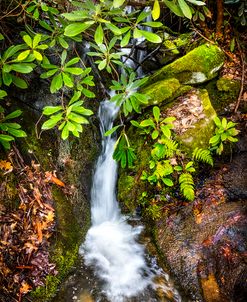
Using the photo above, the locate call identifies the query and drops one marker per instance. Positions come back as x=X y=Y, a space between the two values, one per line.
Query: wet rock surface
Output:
x=235 y=178
x=205 y=243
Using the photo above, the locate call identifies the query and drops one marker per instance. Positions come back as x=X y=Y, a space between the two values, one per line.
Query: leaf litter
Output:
x=25 y=232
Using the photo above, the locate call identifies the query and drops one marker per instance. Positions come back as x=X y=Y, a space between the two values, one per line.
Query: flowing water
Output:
x=111 y=246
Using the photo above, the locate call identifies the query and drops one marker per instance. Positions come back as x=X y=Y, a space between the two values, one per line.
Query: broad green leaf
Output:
x=147 y=123
x=112 y=130
x=82 y=110
x=37 y=55
x=23 y=55
x=52 y=122
x=1 y=37
x=102 y=64
x=13 y=114
x=76 y=15
x=36 y=40
x=185 y=9
x=13 y=50
x=118 y=3
x=155 y=134
x=28 y=40
x=156 y=10
x=174 y=8
x=48 y=110
x=67 y=80
x=151 y=37
x=75 y=29
x=168 y=182
x=156 y=113
x=214 y=140
x=217 y=122
x=22 y=68
x=17 y=133
x=114 y=29
x=7 y=78
x=74 y=70
x=125 y=39
x=135 y=123
x=2 y=94
x=99 y=35
x=56 y=83
x=63 y=43
x=78 y=118
x=6 y=138
x=137 y=33
x=166 y=131
x=20 y=83
x=65 y=132
x=72 y=62
x=152 y=24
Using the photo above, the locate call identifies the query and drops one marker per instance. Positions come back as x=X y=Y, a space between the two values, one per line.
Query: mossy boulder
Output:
x=196 y=125
x=198 y=66
x=164 y=91
x=223 y=92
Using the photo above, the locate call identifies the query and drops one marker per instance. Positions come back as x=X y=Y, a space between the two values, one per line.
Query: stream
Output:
x=114 y=266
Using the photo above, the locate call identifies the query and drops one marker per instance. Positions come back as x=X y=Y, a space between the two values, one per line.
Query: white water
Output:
x=110 y=244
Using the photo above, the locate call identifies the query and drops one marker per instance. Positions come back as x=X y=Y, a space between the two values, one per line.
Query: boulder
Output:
x=198 y=66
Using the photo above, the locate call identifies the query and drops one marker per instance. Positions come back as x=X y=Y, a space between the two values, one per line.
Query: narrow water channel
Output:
x=111 y=246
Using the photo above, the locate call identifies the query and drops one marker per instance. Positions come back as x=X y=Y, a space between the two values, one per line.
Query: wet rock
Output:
x=205 y=246
x=235 y=178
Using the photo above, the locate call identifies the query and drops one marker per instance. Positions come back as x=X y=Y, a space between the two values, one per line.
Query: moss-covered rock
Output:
x=164 y=91
x=198 y=66
x=223 y=92
x=200 y=116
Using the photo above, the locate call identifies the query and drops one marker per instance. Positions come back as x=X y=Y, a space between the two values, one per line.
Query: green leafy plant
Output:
x=203 y=155
x=8 y=129
x=224 y=132
x=36 y=7
x=68 y=119
x=126 y=96
x=107 y=57
x=62 y=75
x=35 y=48
x=11 y=68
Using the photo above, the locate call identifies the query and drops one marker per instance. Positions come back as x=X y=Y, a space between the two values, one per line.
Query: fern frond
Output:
x=170 y=147
x=186 y=183
x=203 y=155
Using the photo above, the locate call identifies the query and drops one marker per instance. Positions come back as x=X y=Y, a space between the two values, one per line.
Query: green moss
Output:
x=199 y=135
x=65 y=247
x=199 y=65
x=223 y=92
x=164 y=91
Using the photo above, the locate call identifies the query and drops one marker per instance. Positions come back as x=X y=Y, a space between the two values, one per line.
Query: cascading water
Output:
x=110 y=246
x=110 y=243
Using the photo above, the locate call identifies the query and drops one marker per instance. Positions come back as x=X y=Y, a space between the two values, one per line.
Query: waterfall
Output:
x=110 y=244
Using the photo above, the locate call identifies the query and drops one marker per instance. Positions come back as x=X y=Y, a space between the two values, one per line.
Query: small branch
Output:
x=242 y=76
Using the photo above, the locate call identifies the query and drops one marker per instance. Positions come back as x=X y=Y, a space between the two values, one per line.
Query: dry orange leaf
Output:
x=51 y=178
x=25 y=287
x=6 y=165
x=39 y=230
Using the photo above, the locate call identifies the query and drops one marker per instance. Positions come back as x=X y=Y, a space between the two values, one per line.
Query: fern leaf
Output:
x=203 y=155
x=186 y=183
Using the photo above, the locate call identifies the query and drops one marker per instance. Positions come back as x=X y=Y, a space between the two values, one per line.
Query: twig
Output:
x=242 y=77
